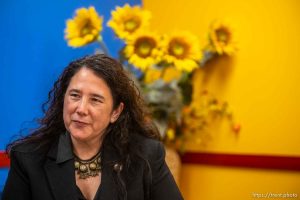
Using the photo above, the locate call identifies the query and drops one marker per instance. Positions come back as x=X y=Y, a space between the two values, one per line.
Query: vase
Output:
x=174 y=163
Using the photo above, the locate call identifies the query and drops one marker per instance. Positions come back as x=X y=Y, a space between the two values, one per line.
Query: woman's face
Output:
x=88 y=106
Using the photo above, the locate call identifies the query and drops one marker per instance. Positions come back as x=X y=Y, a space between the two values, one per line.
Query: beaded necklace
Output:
x=88 y=168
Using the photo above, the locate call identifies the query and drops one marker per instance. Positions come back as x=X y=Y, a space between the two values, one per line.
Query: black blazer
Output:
x=38 y=175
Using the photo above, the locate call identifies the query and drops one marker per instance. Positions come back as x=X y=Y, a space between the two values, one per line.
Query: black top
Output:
x=49 y=173
x=65 y=153
x=81 y=197
x=79 y=194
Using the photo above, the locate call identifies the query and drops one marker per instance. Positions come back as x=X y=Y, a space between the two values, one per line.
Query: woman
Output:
x=94 y=142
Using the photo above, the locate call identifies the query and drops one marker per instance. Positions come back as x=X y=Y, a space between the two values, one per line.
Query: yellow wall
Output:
x=219 y=183
x=260 y=83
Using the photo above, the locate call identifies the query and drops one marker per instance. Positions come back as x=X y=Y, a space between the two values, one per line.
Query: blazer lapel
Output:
x=61 y=176
x=108 y=185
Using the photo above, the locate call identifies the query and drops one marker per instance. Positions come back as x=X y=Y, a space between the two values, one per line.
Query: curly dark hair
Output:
x=133 y=119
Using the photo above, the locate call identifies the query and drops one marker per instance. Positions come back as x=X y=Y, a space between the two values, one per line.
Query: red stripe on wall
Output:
x=4 y=160
x=238 y=160
x=233 y=160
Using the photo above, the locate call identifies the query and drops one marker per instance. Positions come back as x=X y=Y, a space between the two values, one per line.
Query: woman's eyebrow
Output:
x=92 y=95
x=97 y=95
x=74 y=90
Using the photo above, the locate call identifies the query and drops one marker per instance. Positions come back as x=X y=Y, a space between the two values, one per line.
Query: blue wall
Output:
x=33 y=53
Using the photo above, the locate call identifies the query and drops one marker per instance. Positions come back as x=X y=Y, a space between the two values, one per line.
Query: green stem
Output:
x=103 y=47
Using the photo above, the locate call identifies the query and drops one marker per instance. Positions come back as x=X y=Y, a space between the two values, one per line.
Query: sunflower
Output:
x=143 y=50
x=221 y=38
x=182 y=49
x=171 y=73
x=152 y=74
x=84 y=28
x=167 y=74
x=127 y=20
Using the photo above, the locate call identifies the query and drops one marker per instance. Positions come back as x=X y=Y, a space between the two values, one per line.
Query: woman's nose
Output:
x=82 y=107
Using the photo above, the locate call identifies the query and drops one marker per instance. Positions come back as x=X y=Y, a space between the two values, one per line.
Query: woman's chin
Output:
x=79 y=135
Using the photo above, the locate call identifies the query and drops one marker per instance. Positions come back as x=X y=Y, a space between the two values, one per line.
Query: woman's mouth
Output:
x=80 y=123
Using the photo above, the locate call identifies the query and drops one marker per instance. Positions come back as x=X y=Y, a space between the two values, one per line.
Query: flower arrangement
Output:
x=162 y=66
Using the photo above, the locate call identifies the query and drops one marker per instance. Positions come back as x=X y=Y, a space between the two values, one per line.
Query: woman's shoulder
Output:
x=150 y=147
x=147 y=141
x=28 y=155
x=25 y=147
x=35 y=149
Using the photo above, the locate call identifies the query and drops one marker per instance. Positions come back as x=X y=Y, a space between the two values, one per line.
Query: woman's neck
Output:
x=86 y=150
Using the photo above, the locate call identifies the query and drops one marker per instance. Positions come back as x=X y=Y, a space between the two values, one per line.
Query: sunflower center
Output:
x=131 y=25
x=143 y=46
x=87 y=28
x=223 y=35
x=178 y=48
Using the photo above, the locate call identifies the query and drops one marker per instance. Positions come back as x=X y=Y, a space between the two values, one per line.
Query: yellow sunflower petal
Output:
x=152 y=75
x=171 y=73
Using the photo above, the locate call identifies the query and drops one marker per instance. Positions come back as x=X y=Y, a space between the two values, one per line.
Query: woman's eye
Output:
x=96 y=100
x=74 y=95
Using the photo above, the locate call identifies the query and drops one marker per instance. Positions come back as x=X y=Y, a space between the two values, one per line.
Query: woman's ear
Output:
x=116 y=113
